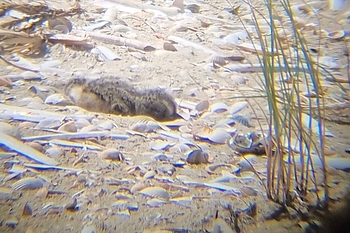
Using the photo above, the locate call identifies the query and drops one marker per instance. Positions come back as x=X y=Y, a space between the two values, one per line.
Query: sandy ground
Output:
x=92 y=194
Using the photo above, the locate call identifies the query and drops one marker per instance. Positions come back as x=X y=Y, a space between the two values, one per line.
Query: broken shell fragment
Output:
x=169 y=47
x=217 y=60
x=89 y=228
x=221 y=226
x=27 y=210
x=111 y=154
x=5 y=194
x=197 y=157
x=218 y=107
x=71 y=205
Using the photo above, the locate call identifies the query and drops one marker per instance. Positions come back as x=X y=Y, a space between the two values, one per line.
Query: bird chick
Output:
x=117 y=97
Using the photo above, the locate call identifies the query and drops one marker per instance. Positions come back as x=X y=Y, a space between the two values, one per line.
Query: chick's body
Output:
x=117 y=97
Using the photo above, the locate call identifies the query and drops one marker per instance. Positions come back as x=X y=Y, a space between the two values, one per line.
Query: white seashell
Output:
x=218 y=107
x=197 y=157
x=155 y=192
x=203 y=105
x=217 y=60
x=137 y=187
x=203 y=146
x=89 y=128
x=164 y=179
x=17 y=168
x=242 y=120
x=16 y=14
x=153 y=217
x=49 y=123
x=248 y=191
x=170 y=134
x=121 y=28
x=81 y=122
x=159 y=145
x=226 y=177
x=68 y=127
x=163 y=157
x=235 y=37
x=179 y=187
x=167 y=168
x=122 y=196
x=247 y=175
x=56 y=99
x=179 y=164
x=155 y=202
x=110 y=14
x=238 y=79
x=108 y=53
x=246 y=162
x=120 y=204
x=112 y=154
x=231 y=39
x=145 y=126
x=222 y=126
x=237 y=107
x=186 y=104
x=222 y=187
x=106 y=125
x=11 y=222
x=183 y=201
x=27 y=183
x=8 y=129
x=54 y=152
x=124 y=213
x=133 y=206
x=5 y=194
x=219 y=136
x=149 y=174
x=189 y=181
x=211 y=168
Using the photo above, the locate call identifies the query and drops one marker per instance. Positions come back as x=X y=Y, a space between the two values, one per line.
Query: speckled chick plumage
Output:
x=117 y=97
